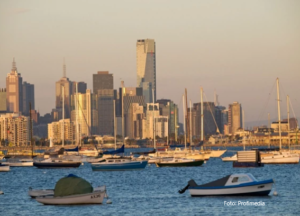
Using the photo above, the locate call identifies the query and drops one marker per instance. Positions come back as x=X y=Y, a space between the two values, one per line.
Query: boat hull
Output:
x=237 y=164
x=260 y=189
x=281 y=159
x=44 y=165
x=217 y=153
x=134 y=165
x=18 y=164
x=91 y=198
x=42 y=192
x=4 y=168
x=180 y=164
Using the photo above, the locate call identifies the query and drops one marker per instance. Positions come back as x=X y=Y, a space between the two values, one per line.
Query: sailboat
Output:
x=280 y=157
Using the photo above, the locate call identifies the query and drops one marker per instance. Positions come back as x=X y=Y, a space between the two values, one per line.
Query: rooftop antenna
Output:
x=14 y=65
x=64 y=69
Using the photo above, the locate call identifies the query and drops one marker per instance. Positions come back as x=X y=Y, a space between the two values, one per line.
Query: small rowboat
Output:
x=179 y=163
x=4 y=168
x=236 y=185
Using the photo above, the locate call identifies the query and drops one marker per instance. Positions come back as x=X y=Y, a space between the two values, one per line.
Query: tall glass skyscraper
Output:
x=146 y=67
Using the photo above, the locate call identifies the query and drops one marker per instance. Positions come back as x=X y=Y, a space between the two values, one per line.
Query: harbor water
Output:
x=153 y=191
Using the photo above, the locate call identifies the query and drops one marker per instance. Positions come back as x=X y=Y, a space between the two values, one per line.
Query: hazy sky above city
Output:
x=235 y=47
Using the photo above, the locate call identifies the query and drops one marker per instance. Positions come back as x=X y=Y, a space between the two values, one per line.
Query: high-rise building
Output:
x=152 y=113
x=63 y=89
x=128 y=96
x=56 y=131
x=2 y=100
x=102 y=80
x=28 y=97
x=135 y=118
x=14 y=96
x=81 y=87
x=208 y=119
x=14 y=129
x=105 y=111
x=146 y=66
x=219 y=117
x=234 y=117
x=168 y=109
x=85 y=112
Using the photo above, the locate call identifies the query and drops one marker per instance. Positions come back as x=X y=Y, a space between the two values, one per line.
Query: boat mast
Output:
x=269 y=129
x=77 y=110
x=288 y=117
x=115 y=124
x=201 y=104
x=122 y=84
x=154 y=128
x=191 y=138
x=63 y=116
x=31 y=130
x=168 y=130
x=279 y=121
x=244 y=142
x=187 y=118
x=184 y=130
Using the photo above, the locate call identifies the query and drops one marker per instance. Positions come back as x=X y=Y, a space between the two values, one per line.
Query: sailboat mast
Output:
x=31 y=143
x=187 y=118
x=115 y=125
x=77 y=125
x=288 y=117
x=279 y=121
x=191 y=138
x=269 y=126
x=201 y=104
x=154 y=128
x=184 y=130
x=63 y=116
x=123 y=135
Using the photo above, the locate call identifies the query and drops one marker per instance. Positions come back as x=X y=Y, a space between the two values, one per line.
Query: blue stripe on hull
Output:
x=120 y=167
x=260 y=193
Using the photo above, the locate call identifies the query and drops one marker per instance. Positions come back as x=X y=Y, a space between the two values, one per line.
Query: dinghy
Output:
x=4 y=168
x=181 y=162
x=73 y=190
x=235 y=185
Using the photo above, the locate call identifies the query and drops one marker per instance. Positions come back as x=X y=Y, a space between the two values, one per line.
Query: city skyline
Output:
x=226 y=48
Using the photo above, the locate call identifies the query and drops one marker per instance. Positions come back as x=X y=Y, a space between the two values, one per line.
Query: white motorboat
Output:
x=18 y=163
x=236 y=184
x=280 y=158
x=4 y=168
x=73 y=190
x=230 y=159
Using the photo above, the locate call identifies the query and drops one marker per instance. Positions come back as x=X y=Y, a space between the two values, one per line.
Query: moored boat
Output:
x=4 y=168
x=18 y=163
x=230 y=159
x=231 y=185
x=73 y=190
x=118 y=164
x=56 y=163
x=181 y=162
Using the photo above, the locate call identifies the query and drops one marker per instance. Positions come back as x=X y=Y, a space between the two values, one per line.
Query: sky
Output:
x=237 y=48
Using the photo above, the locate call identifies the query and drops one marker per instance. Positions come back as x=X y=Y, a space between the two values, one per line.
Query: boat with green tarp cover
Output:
x=73 y=190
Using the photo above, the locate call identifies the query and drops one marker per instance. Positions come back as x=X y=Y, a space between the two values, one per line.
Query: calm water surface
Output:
x=153 y=191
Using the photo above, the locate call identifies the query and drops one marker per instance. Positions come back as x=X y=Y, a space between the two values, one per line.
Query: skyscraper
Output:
x=2 y=100
x=146 y=66
x=102 y=80
x=14 y=97
x=28 y=97
x=234 y=117
x=67 y=84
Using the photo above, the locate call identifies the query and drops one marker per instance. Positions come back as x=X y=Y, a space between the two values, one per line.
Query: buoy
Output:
x=1 y=192
x=275 y=193
x=108 y=201
x=82 y=163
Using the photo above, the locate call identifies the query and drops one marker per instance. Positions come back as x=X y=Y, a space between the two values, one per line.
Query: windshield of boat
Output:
x=240 y=179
